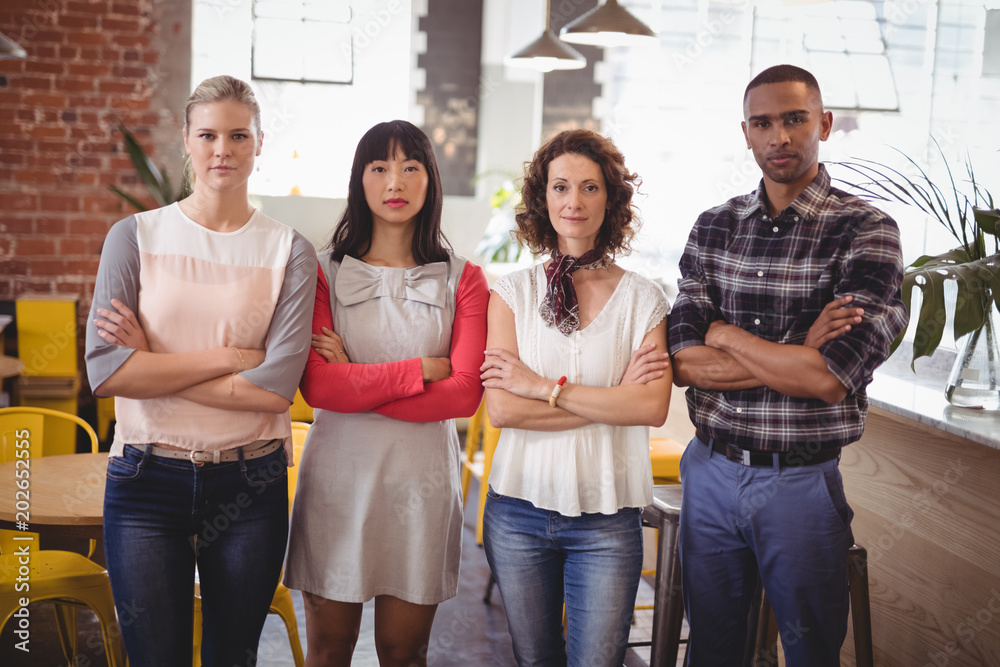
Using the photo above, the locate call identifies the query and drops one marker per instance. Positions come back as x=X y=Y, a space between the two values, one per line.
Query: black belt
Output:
x=794 y=458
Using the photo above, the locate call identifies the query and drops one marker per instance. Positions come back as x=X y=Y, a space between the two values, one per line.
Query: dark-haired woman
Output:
x=576 y=372
x=399 y=329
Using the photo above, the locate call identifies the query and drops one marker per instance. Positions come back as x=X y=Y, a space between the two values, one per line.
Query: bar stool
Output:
x=668 y=605
x=762 y=640
x=665 y=461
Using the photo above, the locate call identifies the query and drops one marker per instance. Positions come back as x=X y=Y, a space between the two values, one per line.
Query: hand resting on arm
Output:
x=518 y=397
x=733 y=359
x=204 y=376
x=330 y=346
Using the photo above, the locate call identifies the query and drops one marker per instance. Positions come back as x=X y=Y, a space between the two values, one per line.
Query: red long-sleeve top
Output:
x=396 y=389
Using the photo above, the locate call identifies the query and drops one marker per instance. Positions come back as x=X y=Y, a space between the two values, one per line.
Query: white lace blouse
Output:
x=597 y=468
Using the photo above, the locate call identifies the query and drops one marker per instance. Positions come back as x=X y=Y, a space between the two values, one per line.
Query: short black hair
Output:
x=783 y=74
x=353 y=234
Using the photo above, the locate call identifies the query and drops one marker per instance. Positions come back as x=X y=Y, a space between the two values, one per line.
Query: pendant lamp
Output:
x=547 y=53
x=606 y=25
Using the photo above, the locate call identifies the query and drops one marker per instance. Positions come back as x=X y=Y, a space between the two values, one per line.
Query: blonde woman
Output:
x=200 y=329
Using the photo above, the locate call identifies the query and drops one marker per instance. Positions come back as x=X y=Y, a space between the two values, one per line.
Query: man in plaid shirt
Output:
x=789 y=300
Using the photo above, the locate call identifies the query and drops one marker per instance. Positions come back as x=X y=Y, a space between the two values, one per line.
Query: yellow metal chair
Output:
x=69 y=579
x=281 y=603
x=478 y=460
x=472 y=464
x=300 y=410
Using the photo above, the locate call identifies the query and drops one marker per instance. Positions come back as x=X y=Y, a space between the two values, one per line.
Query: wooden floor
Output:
x=466 y=633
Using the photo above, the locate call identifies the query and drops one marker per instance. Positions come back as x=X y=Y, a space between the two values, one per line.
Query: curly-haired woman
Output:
x=576 y=372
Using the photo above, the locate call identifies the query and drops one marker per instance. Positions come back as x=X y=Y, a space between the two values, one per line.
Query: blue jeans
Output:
x=160 y=517
x=541 y=558
x=793 y=526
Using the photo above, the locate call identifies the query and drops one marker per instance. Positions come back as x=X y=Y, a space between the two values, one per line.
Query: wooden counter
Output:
x=924 y=482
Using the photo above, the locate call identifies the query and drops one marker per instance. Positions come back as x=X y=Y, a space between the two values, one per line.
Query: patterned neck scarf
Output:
x=560 y=309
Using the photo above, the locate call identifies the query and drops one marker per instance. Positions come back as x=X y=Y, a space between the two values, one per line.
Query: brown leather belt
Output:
x=791 y=459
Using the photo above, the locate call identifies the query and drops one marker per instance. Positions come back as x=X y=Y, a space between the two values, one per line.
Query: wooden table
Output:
x=66 y=495
x=668 y=608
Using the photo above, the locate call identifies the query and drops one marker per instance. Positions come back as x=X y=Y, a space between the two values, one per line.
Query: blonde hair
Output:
x=219 y=89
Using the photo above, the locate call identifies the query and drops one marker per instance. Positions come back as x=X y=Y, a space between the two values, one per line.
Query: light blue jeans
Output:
x=161 y=516
x=541 y=559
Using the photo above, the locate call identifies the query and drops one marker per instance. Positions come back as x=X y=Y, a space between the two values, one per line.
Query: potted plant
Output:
x=973 y=264
x=498 y=245
x=156 y=181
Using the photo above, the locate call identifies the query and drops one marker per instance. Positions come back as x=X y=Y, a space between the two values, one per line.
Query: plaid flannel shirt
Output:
x=772 y=277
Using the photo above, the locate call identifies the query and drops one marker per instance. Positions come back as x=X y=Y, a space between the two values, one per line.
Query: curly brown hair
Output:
x=621 y=220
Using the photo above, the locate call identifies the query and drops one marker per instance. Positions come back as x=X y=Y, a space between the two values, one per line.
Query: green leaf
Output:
x=987 y=220
x=907 y=297
x=135 y=203
x=148 y=172
x=930 y=322
x=920 y=261
x=976 y=281
x=155 y=180
x=970 y=312
x=992 y=267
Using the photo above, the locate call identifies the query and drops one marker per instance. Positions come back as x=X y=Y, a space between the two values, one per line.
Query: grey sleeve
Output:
x=117 y=278
x=289 y=335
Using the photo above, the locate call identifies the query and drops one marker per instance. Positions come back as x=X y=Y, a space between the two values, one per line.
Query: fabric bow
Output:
x=358 y=282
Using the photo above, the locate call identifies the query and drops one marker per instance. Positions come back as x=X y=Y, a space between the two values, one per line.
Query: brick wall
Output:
x=90 y=64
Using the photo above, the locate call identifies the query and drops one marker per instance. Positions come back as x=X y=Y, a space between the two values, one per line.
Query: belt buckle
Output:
x=746 y=456
x=194 y=460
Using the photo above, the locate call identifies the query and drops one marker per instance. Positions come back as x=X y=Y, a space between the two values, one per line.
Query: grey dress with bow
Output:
x=378 y=505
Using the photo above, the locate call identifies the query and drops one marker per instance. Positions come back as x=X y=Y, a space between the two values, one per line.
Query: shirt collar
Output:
x=809 y=203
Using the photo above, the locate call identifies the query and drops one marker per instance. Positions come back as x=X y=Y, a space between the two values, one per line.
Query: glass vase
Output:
x=975 y=377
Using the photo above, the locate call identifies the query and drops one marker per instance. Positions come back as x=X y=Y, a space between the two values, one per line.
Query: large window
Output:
x=290 y=51
x=302 y=40
x=841 y=43
x=898 y=74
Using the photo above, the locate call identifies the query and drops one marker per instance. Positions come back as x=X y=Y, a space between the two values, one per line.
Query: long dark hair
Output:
x=353 y=234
